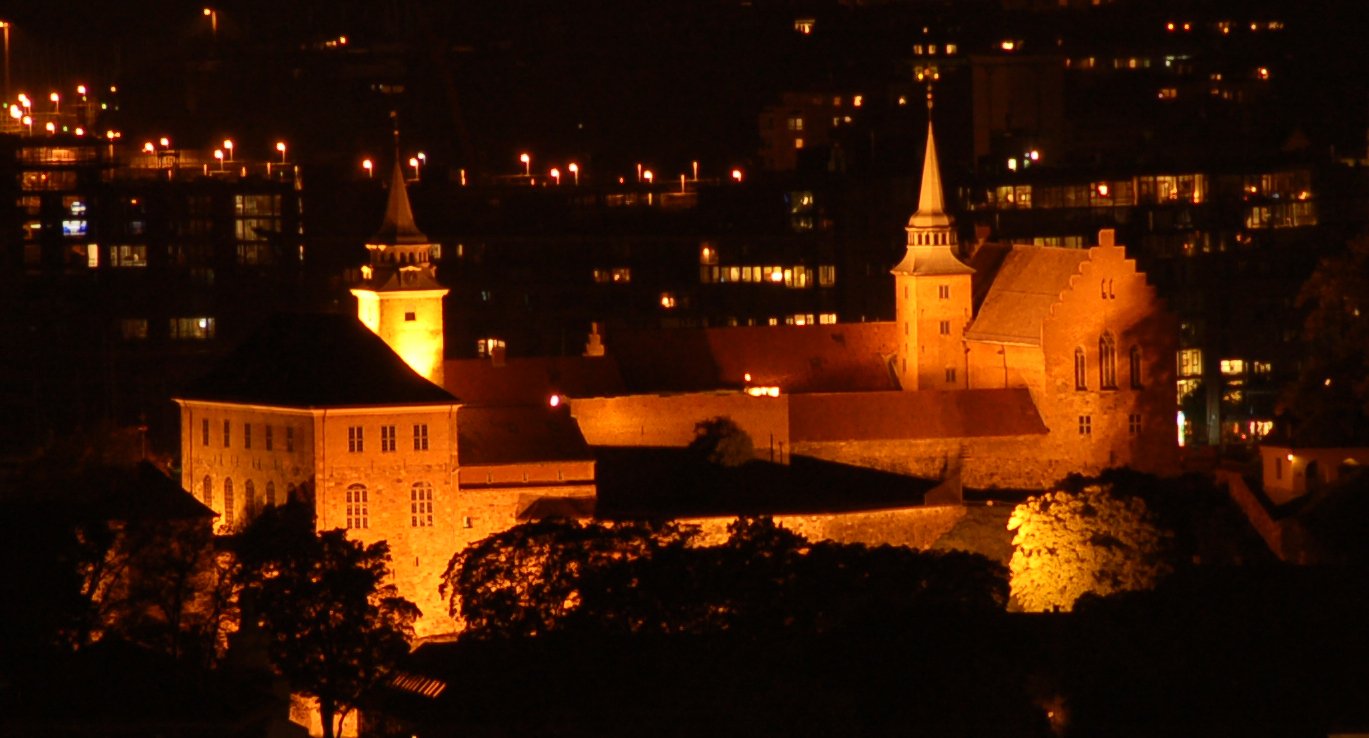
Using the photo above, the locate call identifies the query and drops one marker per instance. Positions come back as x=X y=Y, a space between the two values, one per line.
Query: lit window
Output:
x=1191 y=362
x=420 y=436
x=798 y=143
x=1081 y=381
x=1085 y=425
x=192 y=329
x=228 y=503
x=795 y=123
x=1233 y=367
x=827 y=275
x=355 y=439
x=357 y=510
x=421 y=505
x=622 y=275
x=858 y=100
x=387 y=438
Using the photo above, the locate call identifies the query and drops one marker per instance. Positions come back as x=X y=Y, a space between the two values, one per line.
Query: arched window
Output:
x=1107 y=361
x=250 y=500
x=1135 y=367
x=270 y=494
x=228 y=503
x=357 y=511
x=421 y=505
x=207 y=491
x=1081 y=380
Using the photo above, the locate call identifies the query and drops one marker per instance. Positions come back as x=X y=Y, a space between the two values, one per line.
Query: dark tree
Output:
x=1330 y=400
x=721 y=441
x=335 y=626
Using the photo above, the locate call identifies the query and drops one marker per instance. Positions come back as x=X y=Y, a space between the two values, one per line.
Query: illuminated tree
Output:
x=1068 y=544
x=335 y=626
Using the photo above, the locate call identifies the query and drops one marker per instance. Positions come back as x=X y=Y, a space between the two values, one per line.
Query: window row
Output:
x=252 y=504
x=389 y=438
x=1133 y=425
x=794 y=277
x=267 y=439
x=1107 y=365
x=420 y=506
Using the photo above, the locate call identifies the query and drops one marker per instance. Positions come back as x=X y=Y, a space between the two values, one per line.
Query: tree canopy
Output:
x=721 y=441
x=634 y=578
x=1092 y=541
x=335 y=626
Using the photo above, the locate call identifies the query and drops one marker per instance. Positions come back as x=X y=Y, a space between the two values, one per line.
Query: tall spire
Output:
x=931 y=232
x=398 y=227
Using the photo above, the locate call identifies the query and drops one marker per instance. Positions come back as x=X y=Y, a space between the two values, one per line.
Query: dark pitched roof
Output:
x=820 y=358
x=530 y=381
x=512 y=435
x=109 y=493
x=913 y=415
x=315 y=360
x=398 y=227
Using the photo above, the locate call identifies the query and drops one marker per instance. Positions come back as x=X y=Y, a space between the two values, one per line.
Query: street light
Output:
x=574 y=171
x=413 y=162
x=213 y=16
x=527 y=164
x=218 y=154
x=280 y=146
x=368 y=165
x=56 y=102
x=648 y=176
x=228 y=146
x=736 y=175
x=556 y=175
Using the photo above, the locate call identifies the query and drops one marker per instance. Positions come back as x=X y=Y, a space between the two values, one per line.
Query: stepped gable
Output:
x=818 y=358
x=1028 y=282
x=531 y=380
x=489 y=436
x=874 y=416
x=315 y=360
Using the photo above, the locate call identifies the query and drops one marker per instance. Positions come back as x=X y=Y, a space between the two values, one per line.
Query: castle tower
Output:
x=399 y=297
x=933 y=290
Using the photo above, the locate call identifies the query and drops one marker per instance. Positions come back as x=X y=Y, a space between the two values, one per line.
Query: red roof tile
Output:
x=870 y=416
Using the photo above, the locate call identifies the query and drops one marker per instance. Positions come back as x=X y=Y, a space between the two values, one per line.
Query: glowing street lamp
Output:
x=574 y=171
x=56 y=102
x=648 y=176
x=218 y=154
x=369 y=166
x=280 y=146
x=213 y=16
x=50 y=127
x=556 y=175
x=165 y=142
x=413 y=162
x=736 y=175
x=149 y=148
x=228 y=147
x=527 y=164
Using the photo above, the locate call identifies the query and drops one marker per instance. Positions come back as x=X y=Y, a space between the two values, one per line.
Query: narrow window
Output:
x=207 y=491
x=355 y=441
x=1107 y=361
x=1134 y=424
x=420 y=436
x=1081 y=380
x=387 y=438
x=270 y=494
x=943 y=291
x=270 y=437
x=1135 y=367
x=290 y=439
x=421 y=505
x=1085 y=425
x=204 y=431
x=227 y=432
x=228 y=503
x=357 y=513
x=950 y=376
x=945 y=327
x=249 y=499
x=247 y=435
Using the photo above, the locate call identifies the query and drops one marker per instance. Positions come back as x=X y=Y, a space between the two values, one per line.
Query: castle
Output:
x=1009 y=368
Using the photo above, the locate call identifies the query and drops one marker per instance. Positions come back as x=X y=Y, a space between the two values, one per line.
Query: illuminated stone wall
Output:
x=669 y=420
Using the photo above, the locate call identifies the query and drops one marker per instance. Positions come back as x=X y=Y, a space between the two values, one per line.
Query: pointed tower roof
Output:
x=931 y=232
x=931 y=203
x=398 y=228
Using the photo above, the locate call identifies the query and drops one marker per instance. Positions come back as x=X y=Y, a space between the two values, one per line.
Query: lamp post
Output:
x=574 y=171
x=218 y=154
x=213 y=16
x=556 y=175
x=527 y=164
x=228 y=147
x=56 y=102
x=648 y=176
x=280 y=146
x=368 y=165
x=413 y=162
